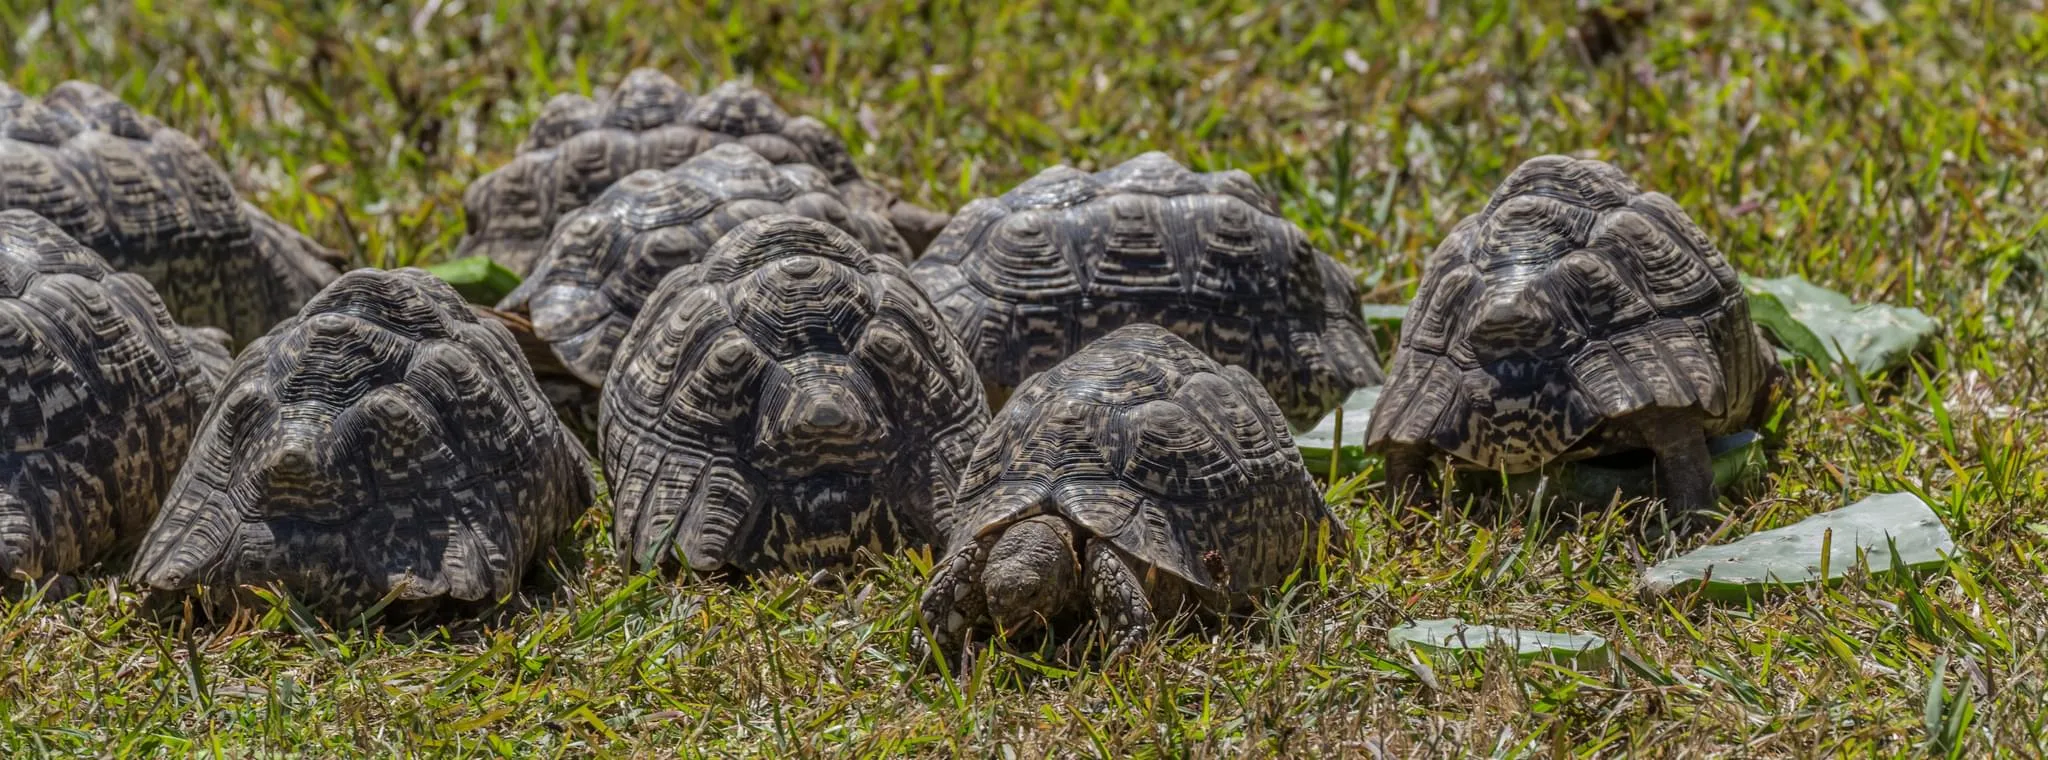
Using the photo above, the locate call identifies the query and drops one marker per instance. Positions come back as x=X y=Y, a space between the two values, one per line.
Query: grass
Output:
x=1897 y=151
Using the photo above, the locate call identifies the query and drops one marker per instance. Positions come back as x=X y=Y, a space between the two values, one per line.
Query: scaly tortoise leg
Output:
x=1122 y=609
x=953 y=603
x=1685 y=470
x=1411 y=478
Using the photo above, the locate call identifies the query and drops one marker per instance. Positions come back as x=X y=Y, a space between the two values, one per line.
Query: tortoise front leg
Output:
x=953 y=603
x=1685 y=470
x=1411 y=478
x=1122 y=610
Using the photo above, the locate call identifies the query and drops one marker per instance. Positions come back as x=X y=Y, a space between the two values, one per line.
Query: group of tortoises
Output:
x=1079 y=394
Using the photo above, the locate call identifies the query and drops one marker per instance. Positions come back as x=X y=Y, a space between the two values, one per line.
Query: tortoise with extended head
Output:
x=150 y=201
x=104 y=395
x=384 y=442
x=790 y=401
x=604 y=259
x=1029 y=278
x=579 y=146
x=1574 y=316
x=1135 y=479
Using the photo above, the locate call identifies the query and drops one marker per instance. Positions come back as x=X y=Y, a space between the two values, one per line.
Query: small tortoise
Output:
x=104 y=395
x=604 y=259
x=385 y=440
x=150 y=201
x=1136 y=479
x=1574 y=316
x=578 y=147
x=790 y=401
x=1029 y=278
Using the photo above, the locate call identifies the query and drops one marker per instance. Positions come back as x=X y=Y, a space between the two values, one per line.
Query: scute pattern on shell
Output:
x=104 y=395
x=579 y=146
x=1029 y=278
x=150 y=201
x=604 y=259
x=787 y=402
x=1573 y=298
x=1144 y=441
x=385 y=436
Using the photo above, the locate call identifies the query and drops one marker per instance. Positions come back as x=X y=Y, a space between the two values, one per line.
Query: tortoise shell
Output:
x=149 y=200
x=579 y=146
x=1142 y=440
x=383 y=441
x=604 y=259
x=104 y=395
x=1029 y=278
x=1571 y=299
x=788 y=402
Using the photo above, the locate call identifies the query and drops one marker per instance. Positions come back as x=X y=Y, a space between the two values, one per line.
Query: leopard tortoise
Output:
x=788 y=402
x=577 y=147
x=1575 y=315
x=1135 y=480
x=1030 y=277
x=386 y=441
x=104 y=395
x=605 y=258
x=150 y=201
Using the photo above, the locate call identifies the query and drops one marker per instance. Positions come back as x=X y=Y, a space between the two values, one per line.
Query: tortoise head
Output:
x=1033 y=574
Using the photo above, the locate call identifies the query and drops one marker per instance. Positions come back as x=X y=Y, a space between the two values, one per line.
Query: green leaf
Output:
x=1384 y=314
x=1384 y=320
x=1451 y=636
x=1826 y=327
x=1315 y=444
x=1792 y=556
x=1932 y=707
x=1778 y=321
x=479 y=279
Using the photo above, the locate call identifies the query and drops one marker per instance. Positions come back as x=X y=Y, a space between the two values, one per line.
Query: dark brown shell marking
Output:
x=579 y=146
x=787 y=402
x=1142 y=440
x=149 y=200
x=385 y=437
x=104 y=395
x=1573 y=298
x=1029 y=278
x=604 y=259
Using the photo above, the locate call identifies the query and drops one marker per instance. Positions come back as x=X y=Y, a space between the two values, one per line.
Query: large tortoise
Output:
x=385 y=441
x=1136 y=479
x=150 y=201
x=579 y=146
x=789 y=402
x=1574 y=316
x=1029 y=278
x=605 y=258
x=104 y=395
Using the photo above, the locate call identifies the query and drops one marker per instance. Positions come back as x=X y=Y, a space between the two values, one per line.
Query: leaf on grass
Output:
x=1456 y=637
x=479 y=279
x=1315 y=444
x=1826 y=327
x=1392 y=314
x=1778 y=321
x=1384 y=320
x=1791 y=556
